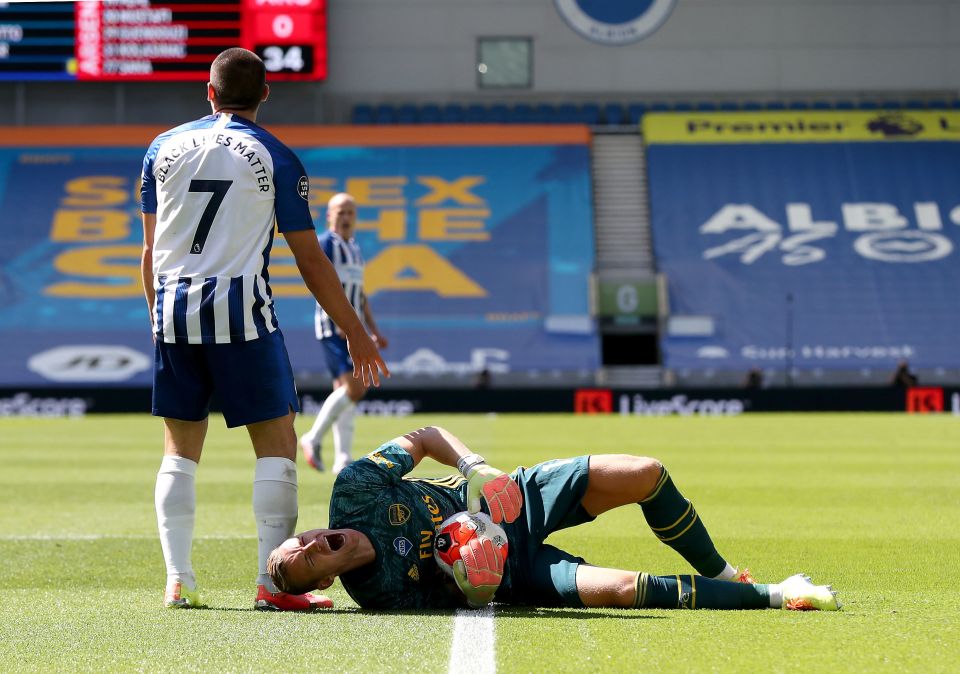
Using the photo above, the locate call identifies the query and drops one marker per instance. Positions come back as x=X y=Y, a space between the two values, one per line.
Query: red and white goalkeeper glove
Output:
x=479 y=571
x=502 y=494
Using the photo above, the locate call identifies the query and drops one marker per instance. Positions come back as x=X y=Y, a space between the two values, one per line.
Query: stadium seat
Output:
x=938 y=104
x=613 y=114
x=635 y=112
x=752 y=106
x=385 y=114
x=590 y=113
x=407 y=114
x=521 y=113
x=845 y=105
x=915 y=104
x=683 y=107
x=955 y=103
x=452 y=113
x=706 y=106
x=891 y=104
x=475 y=114
x=798 y=105
x=498 y=113
x=822 y=105
x=544 y=113
x=868 y=105
x=362 y=114
x=729 y=106
x=776 y=105
x=430 y=113
x=567 y=113
x=660 y=106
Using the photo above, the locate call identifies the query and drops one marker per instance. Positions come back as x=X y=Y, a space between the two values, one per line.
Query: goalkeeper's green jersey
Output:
x=401 y=516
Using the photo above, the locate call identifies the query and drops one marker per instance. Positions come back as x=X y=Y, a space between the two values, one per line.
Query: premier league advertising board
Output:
x=478 y=256
x=813 y=239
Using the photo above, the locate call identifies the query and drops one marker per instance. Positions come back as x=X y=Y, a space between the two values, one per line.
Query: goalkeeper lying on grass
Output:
x=384 y=525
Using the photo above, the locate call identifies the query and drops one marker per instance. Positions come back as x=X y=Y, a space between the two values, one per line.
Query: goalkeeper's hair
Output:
x=277 y=570
x=238 y=77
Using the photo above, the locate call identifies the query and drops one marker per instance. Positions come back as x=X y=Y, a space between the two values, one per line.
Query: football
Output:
x=458 y=529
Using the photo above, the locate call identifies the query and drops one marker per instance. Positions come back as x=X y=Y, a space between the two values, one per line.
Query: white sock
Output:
x=274 y=507
x=727 y=573
x=176 y=501
x=776 y=595
x=329 y=411
x=343 y=434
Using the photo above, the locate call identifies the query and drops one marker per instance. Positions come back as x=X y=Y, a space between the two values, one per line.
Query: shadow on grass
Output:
x=502 y=611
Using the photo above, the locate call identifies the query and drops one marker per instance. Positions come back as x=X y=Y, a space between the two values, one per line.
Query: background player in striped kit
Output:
x=338 y=409
x=212 y=190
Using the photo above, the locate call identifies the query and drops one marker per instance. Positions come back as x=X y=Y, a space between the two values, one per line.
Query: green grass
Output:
x=869 y=503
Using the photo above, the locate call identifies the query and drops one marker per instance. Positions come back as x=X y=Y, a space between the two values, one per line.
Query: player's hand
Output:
x=502 y=494
x=479 y=571
x=367 y=361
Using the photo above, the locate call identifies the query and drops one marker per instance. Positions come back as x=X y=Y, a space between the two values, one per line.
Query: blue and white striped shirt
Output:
x=217 y=185
x=348 y=262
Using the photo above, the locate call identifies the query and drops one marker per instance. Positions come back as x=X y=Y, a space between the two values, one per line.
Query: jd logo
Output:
x=615 y=22
x=398 y=514
x=89 y=363
x=895 y=124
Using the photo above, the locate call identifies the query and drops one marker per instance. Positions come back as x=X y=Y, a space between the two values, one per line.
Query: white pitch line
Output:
x=472 y=649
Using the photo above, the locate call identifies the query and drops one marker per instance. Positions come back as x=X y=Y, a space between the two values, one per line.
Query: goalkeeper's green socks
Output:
x=699 y=592
x=675 y=522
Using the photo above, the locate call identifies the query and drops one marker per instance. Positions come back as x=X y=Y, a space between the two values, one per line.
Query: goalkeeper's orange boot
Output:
x=744 y=576
x=283 y=601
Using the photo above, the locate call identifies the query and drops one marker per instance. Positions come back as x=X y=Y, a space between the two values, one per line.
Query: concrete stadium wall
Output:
x=421 y=50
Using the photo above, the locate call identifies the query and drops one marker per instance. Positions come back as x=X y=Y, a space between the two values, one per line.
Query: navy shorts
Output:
x=337 y=355
x=543 y=575
x=252 y=381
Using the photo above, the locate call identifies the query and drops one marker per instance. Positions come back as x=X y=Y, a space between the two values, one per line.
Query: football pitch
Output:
x=869 y=503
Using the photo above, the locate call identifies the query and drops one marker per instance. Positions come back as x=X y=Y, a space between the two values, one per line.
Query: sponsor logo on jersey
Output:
x=615 y=23
x=89 y=363
x=303 y=188
x=414 y=573
x=402 y=546
x=398 y=514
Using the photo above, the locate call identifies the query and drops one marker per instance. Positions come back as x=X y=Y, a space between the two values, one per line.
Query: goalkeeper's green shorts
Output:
x=539 y=574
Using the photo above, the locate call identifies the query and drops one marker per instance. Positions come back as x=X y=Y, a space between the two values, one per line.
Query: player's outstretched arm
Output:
x=322 y=280
x=502 y=494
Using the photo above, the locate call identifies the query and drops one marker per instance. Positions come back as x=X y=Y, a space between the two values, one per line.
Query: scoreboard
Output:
x=151 y=40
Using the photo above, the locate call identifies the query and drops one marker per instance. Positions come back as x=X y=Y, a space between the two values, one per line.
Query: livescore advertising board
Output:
x=118 y=40
x=479 y=250
x=813 y=240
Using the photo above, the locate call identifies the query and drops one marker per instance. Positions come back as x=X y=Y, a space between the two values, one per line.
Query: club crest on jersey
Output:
x=615 y=22
x=402 y=546
x=303 y=188
x=398 y=514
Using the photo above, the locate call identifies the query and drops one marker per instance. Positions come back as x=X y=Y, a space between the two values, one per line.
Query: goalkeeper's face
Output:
x=315 y=558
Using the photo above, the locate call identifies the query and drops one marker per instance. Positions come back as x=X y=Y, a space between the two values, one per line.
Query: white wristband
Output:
x=468 y=462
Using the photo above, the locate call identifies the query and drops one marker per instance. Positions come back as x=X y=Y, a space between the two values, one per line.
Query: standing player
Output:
x=338 y=409
x=383 y=526
x=212 y=189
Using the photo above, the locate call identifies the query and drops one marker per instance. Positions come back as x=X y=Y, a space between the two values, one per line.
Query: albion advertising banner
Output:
x=478 y=244
x=818 y=239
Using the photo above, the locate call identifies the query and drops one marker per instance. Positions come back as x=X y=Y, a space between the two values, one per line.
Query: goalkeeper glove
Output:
x=479 y=571
x=502 y=494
